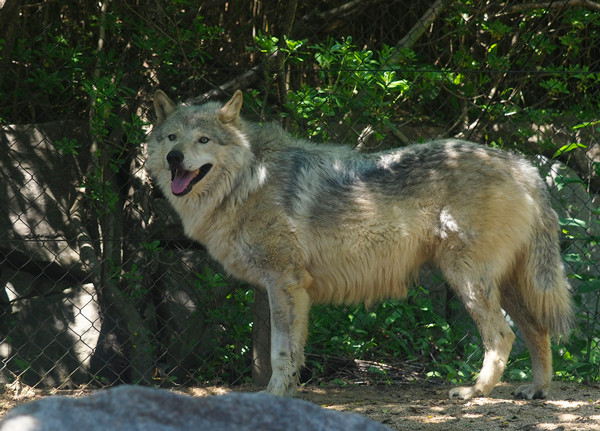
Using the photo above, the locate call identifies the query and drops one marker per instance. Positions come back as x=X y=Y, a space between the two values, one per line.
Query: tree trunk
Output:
x=261 y=339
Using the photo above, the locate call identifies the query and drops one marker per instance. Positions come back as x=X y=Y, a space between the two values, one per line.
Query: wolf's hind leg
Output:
x=537 y=339
x=538 y=342
x=290 y=305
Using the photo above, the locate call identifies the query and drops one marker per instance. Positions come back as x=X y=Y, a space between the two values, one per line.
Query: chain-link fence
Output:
x=99 y=284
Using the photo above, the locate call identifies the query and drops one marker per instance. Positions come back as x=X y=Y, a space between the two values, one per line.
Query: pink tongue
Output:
x=181 y=181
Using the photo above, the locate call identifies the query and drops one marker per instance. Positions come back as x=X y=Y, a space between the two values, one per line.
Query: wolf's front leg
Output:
x=290 y=307
x=497 y=339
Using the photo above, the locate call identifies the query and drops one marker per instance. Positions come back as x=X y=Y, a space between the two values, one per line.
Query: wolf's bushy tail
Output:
x=548 y=295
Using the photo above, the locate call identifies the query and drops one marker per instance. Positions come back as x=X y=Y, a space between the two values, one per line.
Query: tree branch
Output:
x=546 y=5
x=279 y=61
x=237 y=83
x=229 y=87
x=419 y=28
x=336 y=11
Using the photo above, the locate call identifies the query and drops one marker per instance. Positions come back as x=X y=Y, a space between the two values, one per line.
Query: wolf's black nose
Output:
x=175 y=158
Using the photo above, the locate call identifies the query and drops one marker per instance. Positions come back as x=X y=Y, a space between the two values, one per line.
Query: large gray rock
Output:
x=129 y=408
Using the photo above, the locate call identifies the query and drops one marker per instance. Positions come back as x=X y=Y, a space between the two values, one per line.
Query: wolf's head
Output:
x=196 y=149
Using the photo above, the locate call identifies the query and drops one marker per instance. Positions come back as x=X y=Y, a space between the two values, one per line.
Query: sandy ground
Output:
x=411 y=407
x=418 y=406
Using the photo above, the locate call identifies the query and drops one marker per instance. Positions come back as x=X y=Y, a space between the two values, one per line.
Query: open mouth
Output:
x=183 y=181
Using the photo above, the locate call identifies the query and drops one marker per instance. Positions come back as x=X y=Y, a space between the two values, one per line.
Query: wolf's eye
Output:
x=203 y=140
x=172 y=137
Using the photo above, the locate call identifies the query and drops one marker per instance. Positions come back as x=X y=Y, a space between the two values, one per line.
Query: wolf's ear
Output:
x=230 y=112
x=163 y=106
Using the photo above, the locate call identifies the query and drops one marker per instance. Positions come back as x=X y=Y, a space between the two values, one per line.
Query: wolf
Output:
x=323 y=223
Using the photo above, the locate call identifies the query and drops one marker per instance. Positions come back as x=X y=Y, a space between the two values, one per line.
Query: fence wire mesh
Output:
x=98 y=284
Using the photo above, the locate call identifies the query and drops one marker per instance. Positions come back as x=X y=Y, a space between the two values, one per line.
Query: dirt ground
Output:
x=419 y=406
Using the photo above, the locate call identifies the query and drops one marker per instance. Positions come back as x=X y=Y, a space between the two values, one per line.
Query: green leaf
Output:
x=517 y=375
x=586 y=124
x=563 y=180
x=573 y=222
x=589 y=286
x=567 y=148
x=572 y=258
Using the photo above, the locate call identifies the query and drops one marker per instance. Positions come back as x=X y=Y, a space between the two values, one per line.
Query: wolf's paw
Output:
x=282 y=390
x=464 y=393
x=531 y=392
